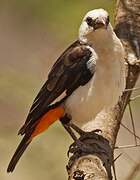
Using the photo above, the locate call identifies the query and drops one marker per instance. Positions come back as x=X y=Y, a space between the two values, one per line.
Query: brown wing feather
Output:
x=65 y=75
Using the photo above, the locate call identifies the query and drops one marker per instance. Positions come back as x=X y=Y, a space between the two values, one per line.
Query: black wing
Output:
x=68 y=73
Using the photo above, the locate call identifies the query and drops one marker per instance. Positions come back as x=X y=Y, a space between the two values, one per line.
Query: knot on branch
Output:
x=90 y=143
x=79 y=175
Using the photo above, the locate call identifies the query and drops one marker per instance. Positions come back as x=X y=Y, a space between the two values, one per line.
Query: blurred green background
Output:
x=33 y=33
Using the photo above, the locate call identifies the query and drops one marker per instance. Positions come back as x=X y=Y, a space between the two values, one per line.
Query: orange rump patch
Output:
x=45 y=121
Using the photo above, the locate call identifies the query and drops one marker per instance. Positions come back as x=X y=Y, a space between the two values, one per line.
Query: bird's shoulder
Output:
x=75 y=58
x=73 y=54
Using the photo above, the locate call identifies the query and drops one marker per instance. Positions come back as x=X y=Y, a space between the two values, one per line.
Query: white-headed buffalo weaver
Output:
x=87 y=78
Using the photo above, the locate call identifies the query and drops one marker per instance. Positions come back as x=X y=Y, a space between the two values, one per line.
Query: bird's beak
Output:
x=100 y=23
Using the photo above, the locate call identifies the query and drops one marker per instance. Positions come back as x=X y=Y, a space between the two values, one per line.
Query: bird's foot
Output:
x=66 y=124
x=88 y=143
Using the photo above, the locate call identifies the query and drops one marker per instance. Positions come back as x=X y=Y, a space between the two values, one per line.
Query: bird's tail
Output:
x=19 y=151
x=43 y=123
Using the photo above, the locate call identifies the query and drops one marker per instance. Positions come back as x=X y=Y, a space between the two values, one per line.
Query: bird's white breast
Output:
x=101 y=92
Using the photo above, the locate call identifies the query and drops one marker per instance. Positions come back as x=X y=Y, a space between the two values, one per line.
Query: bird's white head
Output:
x=94 y=21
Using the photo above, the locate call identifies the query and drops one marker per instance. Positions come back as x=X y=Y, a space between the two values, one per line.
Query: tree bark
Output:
x=127 y=28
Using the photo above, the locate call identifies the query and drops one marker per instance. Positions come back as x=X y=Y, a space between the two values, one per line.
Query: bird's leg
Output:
x=80 y=131
x=65 y=120
x=77 y=129
x=69 y=130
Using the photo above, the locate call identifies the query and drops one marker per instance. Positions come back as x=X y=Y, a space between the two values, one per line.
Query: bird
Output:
x=87 y=78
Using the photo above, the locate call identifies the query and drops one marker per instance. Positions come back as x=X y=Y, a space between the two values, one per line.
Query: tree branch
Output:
x=93 y=166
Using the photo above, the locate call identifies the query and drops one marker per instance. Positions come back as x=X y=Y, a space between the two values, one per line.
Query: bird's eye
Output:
x=89 y=21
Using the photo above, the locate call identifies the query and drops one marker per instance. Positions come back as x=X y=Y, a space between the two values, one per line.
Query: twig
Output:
x=129 y=130
x=117 y=157
x=134 y=98
x=127 y=146
x=133 y=124
x=132 y=89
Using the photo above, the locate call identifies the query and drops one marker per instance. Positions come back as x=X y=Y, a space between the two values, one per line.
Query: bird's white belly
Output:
x=100 y=93
x=87 y=101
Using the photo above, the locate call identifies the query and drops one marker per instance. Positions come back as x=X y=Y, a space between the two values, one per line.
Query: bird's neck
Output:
x=102 y=40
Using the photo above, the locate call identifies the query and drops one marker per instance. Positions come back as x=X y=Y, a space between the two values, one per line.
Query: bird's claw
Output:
x=80 y=146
